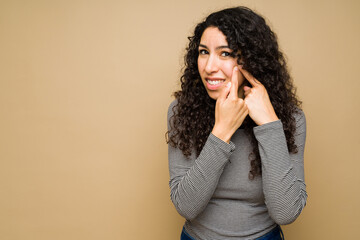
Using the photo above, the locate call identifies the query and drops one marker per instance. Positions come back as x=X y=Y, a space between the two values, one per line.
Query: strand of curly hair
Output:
x=255 y=46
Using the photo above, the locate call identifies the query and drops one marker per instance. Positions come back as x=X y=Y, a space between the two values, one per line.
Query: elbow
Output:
x=187 y=215
x=188 y=212
x=284 y=220
x=286 y=215
x=187 y=204
x=185 y=211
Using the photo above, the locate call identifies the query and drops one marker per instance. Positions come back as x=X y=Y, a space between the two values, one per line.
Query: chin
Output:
x=213 y=95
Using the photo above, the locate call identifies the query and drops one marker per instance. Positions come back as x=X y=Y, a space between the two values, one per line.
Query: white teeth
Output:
x=214 y=82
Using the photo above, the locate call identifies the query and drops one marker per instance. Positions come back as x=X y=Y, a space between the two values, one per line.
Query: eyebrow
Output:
x=217 y=48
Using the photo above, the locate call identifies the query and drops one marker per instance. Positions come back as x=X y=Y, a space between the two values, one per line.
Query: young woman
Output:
x=236 y=134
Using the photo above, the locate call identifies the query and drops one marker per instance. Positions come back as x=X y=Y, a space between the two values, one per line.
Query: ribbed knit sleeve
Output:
x=193 y=181
x=282 y=173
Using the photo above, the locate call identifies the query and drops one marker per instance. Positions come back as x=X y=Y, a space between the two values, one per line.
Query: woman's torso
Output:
x=237 y=207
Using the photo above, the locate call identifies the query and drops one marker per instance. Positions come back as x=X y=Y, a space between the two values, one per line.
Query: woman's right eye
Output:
x=203 y=52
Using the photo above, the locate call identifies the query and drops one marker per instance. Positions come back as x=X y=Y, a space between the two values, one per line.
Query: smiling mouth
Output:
x=214 y=82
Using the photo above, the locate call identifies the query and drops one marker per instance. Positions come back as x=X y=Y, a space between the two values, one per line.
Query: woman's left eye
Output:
x=203 y=52
x=225 y=54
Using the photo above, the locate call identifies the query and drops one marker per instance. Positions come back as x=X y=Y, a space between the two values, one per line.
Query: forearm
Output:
x=282 y=173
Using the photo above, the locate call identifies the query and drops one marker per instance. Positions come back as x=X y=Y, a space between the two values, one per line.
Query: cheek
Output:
x=242 y=79
x=228 y=68
x=200 y=64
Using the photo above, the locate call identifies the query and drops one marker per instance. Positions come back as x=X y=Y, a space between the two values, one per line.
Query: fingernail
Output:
x=236 y=68
x=228 y=84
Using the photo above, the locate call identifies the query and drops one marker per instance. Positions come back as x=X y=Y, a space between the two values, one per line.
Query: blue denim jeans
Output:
x=275 y=234
x=185 y=235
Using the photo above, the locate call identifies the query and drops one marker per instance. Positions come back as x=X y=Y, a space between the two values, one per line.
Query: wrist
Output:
x=269 y=120
x=219 y=133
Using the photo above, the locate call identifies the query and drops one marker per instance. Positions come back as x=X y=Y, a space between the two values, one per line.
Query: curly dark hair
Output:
x=252 y=41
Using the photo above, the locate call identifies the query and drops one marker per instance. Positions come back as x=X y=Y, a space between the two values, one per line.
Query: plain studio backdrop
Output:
x=84 y=91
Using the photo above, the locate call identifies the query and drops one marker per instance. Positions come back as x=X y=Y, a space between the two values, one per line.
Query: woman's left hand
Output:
x=257 y=100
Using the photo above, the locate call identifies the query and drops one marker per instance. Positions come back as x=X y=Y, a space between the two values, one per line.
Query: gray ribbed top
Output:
x=217 y=199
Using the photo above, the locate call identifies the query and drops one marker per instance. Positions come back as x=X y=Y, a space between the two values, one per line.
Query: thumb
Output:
x=247 y=90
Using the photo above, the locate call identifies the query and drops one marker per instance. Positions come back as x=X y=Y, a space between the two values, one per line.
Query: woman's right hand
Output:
x=230 y=110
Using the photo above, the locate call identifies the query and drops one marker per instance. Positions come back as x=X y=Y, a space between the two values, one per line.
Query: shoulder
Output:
x=300 y=120
x=299 y=116
x=171 y=109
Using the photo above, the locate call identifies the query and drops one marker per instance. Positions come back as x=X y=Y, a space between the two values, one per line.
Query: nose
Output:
x=211 y=64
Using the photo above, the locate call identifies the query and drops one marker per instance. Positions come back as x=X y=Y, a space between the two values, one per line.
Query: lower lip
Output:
x=213 y=87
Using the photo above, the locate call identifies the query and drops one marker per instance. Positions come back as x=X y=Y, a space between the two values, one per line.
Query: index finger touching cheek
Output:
x=253 y=81
x=234 y=83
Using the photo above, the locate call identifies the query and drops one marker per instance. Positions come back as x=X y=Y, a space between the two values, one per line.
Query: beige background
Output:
x=84 y=90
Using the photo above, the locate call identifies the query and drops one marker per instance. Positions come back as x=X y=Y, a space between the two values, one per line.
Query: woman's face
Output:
x=215 y=64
